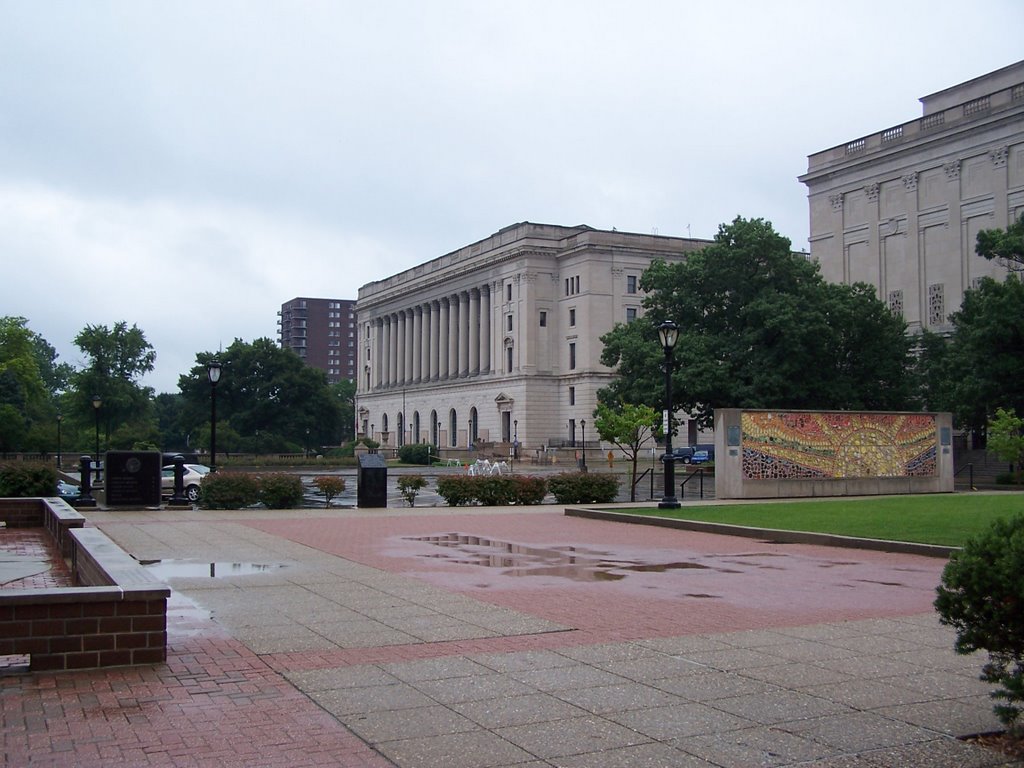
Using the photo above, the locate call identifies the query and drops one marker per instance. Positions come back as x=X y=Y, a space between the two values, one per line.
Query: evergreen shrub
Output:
x=280 y=490
x=25 y=479
x=414 y=453
x=982 y=597
x=229 y=490
x=583 y=488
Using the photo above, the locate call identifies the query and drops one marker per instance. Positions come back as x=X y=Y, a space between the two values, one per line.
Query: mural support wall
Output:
x=785 y=454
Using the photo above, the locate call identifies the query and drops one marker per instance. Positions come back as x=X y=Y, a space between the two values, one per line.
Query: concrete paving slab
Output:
x=518 y=710
x=761 y=747
x=687 y=719
x=607 y=689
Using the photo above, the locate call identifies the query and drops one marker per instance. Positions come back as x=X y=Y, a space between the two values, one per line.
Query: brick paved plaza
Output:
x=483 y=637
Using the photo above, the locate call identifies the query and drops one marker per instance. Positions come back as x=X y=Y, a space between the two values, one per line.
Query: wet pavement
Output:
x=490 y=637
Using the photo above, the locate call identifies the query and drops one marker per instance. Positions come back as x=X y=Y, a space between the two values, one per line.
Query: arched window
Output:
x=453 y=429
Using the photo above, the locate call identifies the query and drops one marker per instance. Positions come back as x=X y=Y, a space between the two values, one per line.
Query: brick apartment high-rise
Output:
x=322 y=332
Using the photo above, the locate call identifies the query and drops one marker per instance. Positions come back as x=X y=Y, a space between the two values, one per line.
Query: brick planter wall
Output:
x=116 y=616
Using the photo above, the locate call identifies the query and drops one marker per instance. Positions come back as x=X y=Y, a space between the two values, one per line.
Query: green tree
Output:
x=981 y=366
x=1005 y=244
x=262 y=388
x=759 y=328
x=344 y=392
x=27 y=403
x=1006 y=437
x=629 y=427
x=116 y=360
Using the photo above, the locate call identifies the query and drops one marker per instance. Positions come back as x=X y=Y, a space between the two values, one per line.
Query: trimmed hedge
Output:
x=583 y=488
x=280 y=491
x=414 y=453
x=491 y=491
x=23 y=480
x=229 y=490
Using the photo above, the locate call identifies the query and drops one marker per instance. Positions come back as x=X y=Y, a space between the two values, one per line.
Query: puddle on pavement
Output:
x=192 y=569
x=575 y=563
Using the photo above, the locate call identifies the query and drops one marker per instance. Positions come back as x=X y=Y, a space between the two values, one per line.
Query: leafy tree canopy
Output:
x=1003 y=243
x=981 y=366
x=264 y=389
x=116 y=358
x=629 y=427
x=759 y=328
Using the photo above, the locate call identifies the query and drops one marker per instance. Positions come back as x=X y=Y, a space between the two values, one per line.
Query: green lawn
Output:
x=945 y=519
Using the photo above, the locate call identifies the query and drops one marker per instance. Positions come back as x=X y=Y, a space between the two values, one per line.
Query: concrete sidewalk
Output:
x=436 y=637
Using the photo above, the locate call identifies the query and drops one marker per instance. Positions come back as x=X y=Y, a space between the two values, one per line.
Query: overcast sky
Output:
x=190 y=166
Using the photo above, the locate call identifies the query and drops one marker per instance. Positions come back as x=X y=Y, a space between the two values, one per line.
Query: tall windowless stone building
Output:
x=500 y=340
x=901 y=209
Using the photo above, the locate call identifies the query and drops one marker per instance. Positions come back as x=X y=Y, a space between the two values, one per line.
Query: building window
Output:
x=508 y=292
x=568 y=290
x=896 y=303
x=577 y=283
x=543 y=319
x=572 y=318
x=936 y=304
x=508 y=323
x=630 y=283
x=572 y=395
x=630 y=314
x=572 y=355
x=508 y=360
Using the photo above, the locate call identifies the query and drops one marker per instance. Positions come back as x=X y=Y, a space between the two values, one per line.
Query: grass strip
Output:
x=944 y=519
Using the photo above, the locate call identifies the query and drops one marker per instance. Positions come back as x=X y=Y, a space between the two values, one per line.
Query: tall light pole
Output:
x=668 y=332
x=213 y=371
x=60 y=418
x=515 y=439
x=97 y=401
x=583 y=434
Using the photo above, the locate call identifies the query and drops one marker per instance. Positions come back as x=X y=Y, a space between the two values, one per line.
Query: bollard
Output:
x=85 y=497
x=178 y=498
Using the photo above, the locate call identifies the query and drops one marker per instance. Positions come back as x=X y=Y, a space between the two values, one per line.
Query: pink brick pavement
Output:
x=744 y=584
x=214 y=703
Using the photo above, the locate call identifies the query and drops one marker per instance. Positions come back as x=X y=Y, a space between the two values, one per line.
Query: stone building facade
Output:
x=901 y=209
x=499 y=341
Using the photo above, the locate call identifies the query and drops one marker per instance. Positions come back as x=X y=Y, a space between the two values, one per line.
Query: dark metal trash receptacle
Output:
x=372 y=481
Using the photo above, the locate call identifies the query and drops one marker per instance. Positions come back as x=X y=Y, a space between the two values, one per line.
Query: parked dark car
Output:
x=701 y=457
x=67 y=491
x=683 y=453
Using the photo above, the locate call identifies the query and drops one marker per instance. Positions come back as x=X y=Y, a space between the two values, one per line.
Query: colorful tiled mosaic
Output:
x=803 y=445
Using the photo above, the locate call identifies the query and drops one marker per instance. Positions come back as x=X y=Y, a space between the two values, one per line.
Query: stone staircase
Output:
x=980 y=465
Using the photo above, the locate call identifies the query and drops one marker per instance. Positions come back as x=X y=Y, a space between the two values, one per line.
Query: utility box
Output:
x=372 y=481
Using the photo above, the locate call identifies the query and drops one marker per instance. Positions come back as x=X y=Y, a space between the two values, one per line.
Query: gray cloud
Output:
x=190 y=166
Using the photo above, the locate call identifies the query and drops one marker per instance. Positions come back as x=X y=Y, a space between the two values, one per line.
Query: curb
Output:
x=770 y=535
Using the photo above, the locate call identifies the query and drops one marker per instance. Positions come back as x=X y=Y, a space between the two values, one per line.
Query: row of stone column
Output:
x=445 y=338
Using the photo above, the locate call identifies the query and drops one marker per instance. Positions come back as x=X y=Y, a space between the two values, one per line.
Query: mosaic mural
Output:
x=782 y=446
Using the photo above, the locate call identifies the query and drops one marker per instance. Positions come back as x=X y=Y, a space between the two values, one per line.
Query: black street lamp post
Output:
x=60 y=418
x=97 y=401
x=515 y=439
x=213 y=371
x=668 y=332
x=583 y=452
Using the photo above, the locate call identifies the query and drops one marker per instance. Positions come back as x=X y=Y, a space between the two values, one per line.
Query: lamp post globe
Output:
x=668 y=334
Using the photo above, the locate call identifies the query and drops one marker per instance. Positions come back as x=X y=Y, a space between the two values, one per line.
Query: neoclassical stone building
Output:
x=901 y=209
x=499 y=341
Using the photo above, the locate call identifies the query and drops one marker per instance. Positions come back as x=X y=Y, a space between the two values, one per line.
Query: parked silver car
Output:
x=192 y=479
